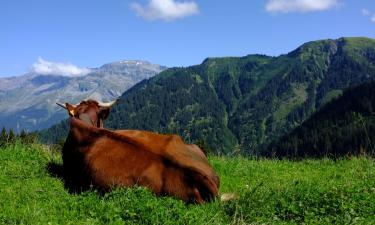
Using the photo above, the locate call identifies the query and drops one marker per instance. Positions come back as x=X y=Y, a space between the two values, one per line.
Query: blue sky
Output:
x=89 y=33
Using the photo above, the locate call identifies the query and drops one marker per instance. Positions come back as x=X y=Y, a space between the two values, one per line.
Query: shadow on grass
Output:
x=73 y=186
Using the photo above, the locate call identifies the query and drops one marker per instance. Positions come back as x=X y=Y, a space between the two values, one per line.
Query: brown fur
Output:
x=163 y=163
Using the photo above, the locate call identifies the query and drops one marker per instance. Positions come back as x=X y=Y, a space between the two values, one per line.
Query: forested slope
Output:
x=344 y=126
x=242 y=104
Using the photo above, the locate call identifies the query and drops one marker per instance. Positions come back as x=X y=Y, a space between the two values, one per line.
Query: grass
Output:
x=269 y=192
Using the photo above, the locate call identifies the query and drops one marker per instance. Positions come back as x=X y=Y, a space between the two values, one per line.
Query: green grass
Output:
x=270 y=192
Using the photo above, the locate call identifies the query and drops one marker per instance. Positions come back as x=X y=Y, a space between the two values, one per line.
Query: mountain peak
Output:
x=132 y=62
x=27 y=101
x=126 y=65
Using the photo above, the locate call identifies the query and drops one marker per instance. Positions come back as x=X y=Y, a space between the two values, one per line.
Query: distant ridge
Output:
x=28 y=101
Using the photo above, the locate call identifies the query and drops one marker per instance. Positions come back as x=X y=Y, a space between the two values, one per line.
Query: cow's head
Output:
x=90 y=111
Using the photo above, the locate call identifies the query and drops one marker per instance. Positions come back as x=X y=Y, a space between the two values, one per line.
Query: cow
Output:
x=105 y=159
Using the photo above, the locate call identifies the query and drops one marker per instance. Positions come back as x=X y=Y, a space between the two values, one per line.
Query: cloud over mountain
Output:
x=166 y=10
x=45 y=67
x=287 y=6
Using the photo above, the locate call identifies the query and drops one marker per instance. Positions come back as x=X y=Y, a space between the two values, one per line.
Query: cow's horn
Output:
x=60 y=104
x=107 y=104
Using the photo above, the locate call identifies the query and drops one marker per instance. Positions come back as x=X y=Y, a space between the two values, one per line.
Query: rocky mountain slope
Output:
x=28 y=101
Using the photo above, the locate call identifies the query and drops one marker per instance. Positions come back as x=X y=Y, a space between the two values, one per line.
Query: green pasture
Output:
x=269 y=192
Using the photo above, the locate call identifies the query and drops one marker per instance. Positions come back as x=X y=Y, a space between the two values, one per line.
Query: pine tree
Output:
x=3 y=137
x=11 y=136
x=23 y=136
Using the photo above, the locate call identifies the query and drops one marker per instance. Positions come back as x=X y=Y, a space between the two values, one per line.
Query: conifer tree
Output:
x=3 y=137
x=11 y=136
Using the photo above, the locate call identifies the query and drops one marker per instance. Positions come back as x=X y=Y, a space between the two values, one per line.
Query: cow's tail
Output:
x=208 y=190
x=207 y=187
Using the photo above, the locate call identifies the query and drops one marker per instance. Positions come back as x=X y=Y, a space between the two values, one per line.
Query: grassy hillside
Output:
x=344 y=126
x=270 y=192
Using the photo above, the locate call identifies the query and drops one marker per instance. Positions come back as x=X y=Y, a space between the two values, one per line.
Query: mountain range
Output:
x=28 y=102
x=242 y=104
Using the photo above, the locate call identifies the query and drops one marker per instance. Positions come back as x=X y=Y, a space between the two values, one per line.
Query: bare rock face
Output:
x=28 y=101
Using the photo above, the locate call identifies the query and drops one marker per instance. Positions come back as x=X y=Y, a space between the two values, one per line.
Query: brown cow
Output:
x=96 y=156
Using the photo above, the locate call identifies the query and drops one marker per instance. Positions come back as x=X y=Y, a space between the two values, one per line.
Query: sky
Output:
x=69 y=36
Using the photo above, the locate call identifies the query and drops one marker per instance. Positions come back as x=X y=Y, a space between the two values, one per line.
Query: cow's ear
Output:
x=71 y=109
x=104 y=112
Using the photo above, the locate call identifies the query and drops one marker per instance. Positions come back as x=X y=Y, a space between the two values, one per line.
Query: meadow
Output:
x=269 y=192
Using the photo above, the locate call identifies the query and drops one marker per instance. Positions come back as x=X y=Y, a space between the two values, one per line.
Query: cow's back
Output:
x=120 y=163
x=173 y=148
x=161 y=162
x=114 y=163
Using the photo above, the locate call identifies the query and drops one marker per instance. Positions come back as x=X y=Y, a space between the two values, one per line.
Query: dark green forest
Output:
x=56 y=134
x=9 y=137
x=242 y=104
x=344 y=126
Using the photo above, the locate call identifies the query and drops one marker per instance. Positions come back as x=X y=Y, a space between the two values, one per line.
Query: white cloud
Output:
x=286 y=6
x=365 y=12
x=55 y=68
x=167 y=10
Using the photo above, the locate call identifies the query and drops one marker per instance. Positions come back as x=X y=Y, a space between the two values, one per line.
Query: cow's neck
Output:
x=86 y=118
x=82 y=132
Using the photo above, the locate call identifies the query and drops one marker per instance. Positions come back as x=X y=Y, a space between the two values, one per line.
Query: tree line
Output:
x=9 y=137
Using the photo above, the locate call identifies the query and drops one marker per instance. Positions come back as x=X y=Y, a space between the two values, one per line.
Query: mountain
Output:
x=242 y=104
x=28 y=101
x=344 y=126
